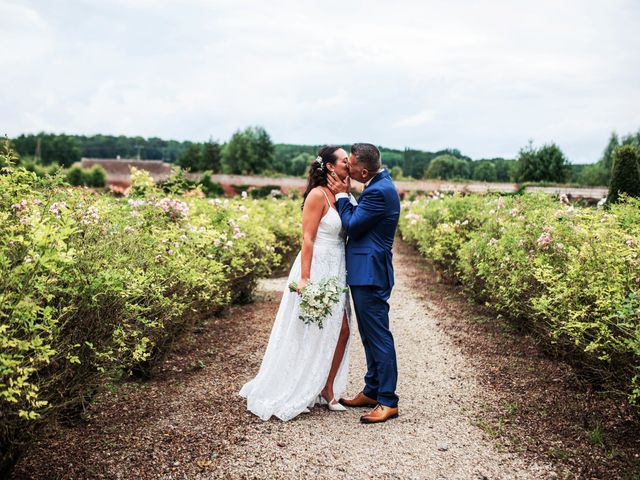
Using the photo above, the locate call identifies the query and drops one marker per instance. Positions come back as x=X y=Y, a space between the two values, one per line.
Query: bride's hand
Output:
x=302 y=283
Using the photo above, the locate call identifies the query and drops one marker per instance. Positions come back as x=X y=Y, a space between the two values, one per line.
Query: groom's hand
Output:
x=338 y=186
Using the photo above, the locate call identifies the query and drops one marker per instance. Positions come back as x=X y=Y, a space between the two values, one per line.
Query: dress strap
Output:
x=327 y=197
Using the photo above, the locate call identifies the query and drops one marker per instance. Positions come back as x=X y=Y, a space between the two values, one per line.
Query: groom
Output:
x=371 y=227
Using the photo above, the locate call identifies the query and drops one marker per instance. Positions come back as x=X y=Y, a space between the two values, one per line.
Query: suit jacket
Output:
x=371 y=227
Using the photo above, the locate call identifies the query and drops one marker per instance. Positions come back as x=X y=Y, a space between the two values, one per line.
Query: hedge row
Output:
x=569 y=274
x=95 y=288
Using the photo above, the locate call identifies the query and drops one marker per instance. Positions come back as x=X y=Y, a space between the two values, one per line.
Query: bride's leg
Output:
x=327 y=391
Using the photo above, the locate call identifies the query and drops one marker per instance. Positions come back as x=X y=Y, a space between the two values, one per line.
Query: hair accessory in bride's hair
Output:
x=320 y=161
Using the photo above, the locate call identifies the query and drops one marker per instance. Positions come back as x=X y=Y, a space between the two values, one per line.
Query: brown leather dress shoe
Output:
x=360 y=400
x=380 y=414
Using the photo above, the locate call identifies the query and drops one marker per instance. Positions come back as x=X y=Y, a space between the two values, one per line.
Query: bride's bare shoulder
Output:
x=315 y=195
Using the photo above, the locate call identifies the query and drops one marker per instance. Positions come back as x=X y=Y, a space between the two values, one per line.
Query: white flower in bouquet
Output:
x=317 y=299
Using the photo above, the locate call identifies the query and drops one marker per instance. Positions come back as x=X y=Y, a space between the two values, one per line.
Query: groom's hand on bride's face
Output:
x=336 y=185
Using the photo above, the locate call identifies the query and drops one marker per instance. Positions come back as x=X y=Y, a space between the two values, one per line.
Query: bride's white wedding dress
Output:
x=298 y=358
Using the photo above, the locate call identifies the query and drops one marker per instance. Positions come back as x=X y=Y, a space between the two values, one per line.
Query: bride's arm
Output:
x=311 y=216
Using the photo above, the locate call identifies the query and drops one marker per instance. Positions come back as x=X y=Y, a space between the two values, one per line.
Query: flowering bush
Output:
x=94 y=288
x=570 y=274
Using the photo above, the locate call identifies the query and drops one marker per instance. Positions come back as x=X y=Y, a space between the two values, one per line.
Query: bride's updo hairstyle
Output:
x=318 y=169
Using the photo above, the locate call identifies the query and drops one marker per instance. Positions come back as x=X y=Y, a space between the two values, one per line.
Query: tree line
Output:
x=251 y=151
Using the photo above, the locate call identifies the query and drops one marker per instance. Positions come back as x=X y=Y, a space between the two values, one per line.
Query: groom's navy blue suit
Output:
x=371 y=227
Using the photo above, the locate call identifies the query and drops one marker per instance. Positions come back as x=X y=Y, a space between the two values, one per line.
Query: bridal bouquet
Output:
x=318 y=298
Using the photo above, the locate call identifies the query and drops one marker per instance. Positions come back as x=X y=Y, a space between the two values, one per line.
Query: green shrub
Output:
x=141 y=183
x=571 y=275
x=265 y=191
x=96 y=288
x=75 y=176
x=209 y=187
x=95 y=177
x=625 y=176
x=177 y=182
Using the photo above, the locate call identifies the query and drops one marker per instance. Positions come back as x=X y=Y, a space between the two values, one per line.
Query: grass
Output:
x=512 y=407
x=596 y=435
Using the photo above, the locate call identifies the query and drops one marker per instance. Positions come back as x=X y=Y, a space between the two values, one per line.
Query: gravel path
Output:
x=432 y=438
x=189 y=422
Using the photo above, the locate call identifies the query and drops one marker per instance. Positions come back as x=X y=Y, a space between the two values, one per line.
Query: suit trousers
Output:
x=372 y=312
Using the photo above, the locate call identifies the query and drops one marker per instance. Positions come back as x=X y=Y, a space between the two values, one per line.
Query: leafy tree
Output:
x=51 y=148
x=446 y=167
x=485 y=172
x=191 y=158
x=594 y=174
x=300 y=164
x=607 y=155
x=396 y=172
x=505 y=169
x=248 y=151
x=546 y=164
x=625 y=176
x=211 y=157
x=263 y=149
x=238 y=156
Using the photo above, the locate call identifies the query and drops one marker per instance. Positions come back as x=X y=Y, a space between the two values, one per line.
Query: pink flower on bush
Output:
x=18 y=207
x=564 y=198
x=57 y=207
x=174 y=208
x=544 y=240
x=91 y=216
x=492 y=242
x=136 y=203
x=559 y=246
x=630 y=243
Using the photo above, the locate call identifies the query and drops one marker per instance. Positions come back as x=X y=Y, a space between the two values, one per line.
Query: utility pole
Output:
x=38 y=151
x=139 y=147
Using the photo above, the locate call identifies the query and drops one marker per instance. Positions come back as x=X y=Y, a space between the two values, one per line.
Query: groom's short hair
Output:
x=368 y=155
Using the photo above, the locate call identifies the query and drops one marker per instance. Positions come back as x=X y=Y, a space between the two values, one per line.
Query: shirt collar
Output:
x=369 y=181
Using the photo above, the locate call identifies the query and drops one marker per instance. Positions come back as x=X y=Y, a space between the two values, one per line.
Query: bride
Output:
x=304 y=365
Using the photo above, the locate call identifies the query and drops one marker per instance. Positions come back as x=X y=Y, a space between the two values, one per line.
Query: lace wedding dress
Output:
x=296 y=363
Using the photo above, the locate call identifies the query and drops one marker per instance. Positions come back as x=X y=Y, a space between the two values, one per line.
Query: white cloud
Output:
x=418 y=119
x=483 y=77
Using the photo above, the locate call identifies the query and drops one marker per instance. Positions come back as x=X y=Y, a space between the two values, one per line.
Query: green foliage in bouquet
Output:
x=569 y=274
x=318 y=299
x=95 y=288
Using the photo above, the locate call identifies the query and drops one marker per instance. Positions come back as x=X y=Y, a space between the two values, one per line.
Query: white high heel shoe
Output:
x=334 y=407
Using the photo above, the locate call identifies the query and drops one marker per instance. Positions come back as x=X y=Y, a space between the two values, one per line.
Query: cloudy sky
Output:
x=483 y=77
